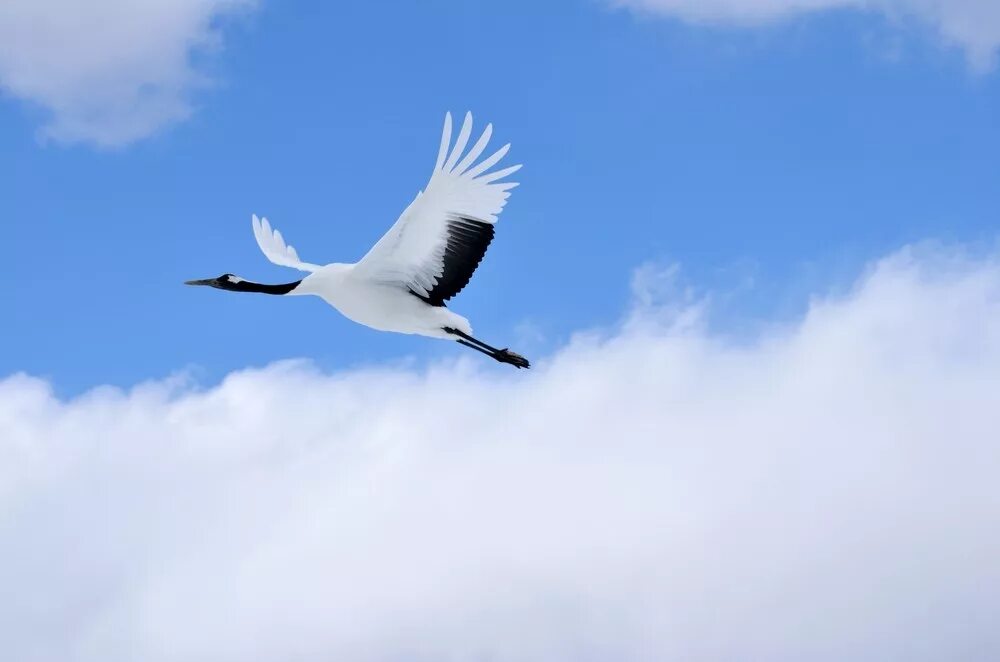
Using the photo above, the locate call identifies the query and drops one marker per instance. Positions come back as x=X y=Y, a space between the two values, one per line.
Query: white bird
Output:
x=425 y=259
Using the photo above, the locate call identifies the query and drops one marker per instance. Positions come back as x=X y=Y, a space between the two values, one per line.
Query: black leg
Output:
x=476 y=347
x=501 y=355
x=470 y=339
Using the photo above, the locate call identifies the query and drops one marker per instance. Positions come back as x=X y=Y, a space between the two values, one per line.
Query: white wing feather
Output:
x=412 y=252
x=273 y=245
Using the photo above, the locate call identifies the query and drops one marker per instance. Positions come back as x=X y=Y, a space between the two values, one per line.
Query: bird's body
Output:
x=381 y=306
x=426 y=257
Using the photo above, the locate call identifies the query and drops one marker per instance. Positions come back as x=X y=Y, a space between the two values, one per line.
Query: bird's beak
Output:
x=206 y=281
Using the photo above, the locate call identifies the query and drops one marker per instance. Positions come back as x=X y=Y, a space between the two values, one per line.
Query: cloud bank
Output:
x=107 y=72
x=973 y=25
x=825 y=492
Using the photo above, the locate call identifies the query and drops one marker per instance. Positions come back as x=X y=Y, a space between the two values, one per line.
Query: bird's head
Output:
x=234 y=283
x=223 y=282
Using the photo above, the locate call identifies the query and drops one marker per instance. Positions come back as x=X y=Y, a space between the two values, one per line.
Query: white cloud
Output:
x=973 y=25
x=107 y=72
x=828 y=492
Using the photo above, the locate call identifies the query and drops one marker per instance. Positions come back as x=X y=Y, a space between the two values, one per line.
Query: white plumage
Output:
x=273 y=245
x=412 y=251
x=424 y=259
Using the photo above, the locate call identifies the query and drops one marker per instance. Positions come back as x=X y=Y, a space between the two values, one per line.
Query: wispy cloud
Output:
x=827 y=492
x=107 y=72
x=973 y=25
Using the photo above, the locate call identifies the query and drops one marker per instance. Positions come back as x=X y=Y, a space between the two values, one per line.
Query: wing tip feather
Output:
x=460 y=142
x=445 y=141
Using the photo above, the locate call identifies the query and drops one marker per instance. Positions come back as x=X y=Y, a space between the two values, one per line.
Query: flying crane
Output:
x=403 y=283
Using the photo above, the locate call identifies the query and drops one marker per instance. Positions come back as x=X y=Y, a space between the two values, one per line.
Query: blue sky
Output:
x=769 y=161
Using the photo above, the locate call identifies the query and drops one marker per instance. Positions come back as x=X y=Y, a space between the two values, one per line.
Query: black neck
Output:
x=247 y=286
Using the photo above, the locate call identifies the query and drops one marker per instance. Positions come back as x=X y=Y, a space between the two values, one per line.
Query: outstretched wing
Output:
x=440 y=239
x=273 y=245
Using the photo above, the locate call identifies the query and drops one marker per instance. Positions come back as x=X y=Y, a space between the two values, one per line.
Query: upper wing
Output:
x=272 y=244
x=439 y=240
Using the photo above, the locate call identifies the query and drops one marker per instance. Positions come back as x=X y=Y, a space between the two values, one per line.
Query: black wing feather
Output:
x=468 y=240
